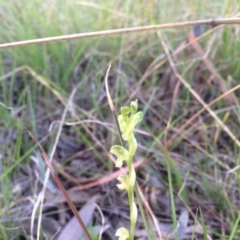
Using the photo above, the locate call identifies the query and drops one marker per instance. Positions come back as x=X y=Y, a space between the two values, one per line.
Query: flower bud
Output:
x=134 y=106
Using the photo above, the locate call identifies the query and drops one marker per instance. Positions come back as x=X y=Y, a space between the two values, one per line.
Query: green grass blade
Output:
x=203 y=226
x=145 y=221
x=235 y=228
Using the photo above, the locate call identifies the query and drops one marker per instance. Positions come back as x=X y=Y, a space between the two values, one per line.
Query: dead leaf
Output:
x=72 y=231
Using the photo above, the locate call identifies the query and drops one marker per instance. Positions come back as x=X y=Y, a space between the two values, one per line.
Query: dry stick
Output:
x=213 y=22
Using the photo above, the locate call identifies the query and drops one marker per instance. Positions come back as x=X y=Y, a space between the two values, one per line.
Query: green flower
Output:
x=129 y=119
x=132 y=142
x=121 y=153
x=134 y=106
x=125 y=111
x=122 y=233
x=124 y=182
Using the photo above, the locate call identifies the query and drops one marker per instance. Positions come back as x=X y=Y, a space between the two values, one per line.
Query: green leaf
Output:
x=203 y=226
x=4 y=113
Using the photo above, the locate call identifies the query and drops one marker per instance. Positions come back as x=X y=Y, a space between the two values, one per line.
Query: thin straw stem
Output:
x=213 y=22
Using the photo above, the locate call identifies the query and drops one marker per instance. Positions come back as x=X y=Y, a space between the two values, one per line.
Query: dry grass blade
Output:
x=40 y=197
x=45 y=83
x=3 y=105
x=79 y=123
x=107 y=90
x=61 y=187
x=213 y=22
x=161 y=59
x=201 y=111
x=148 y=208
x=168 y=124
x=212 y=113
x=196 y=95
x=210 y=66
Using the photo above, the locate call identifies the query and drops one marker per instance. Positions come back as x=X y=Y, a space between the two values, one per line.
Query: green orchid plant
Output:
x=127 y=120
